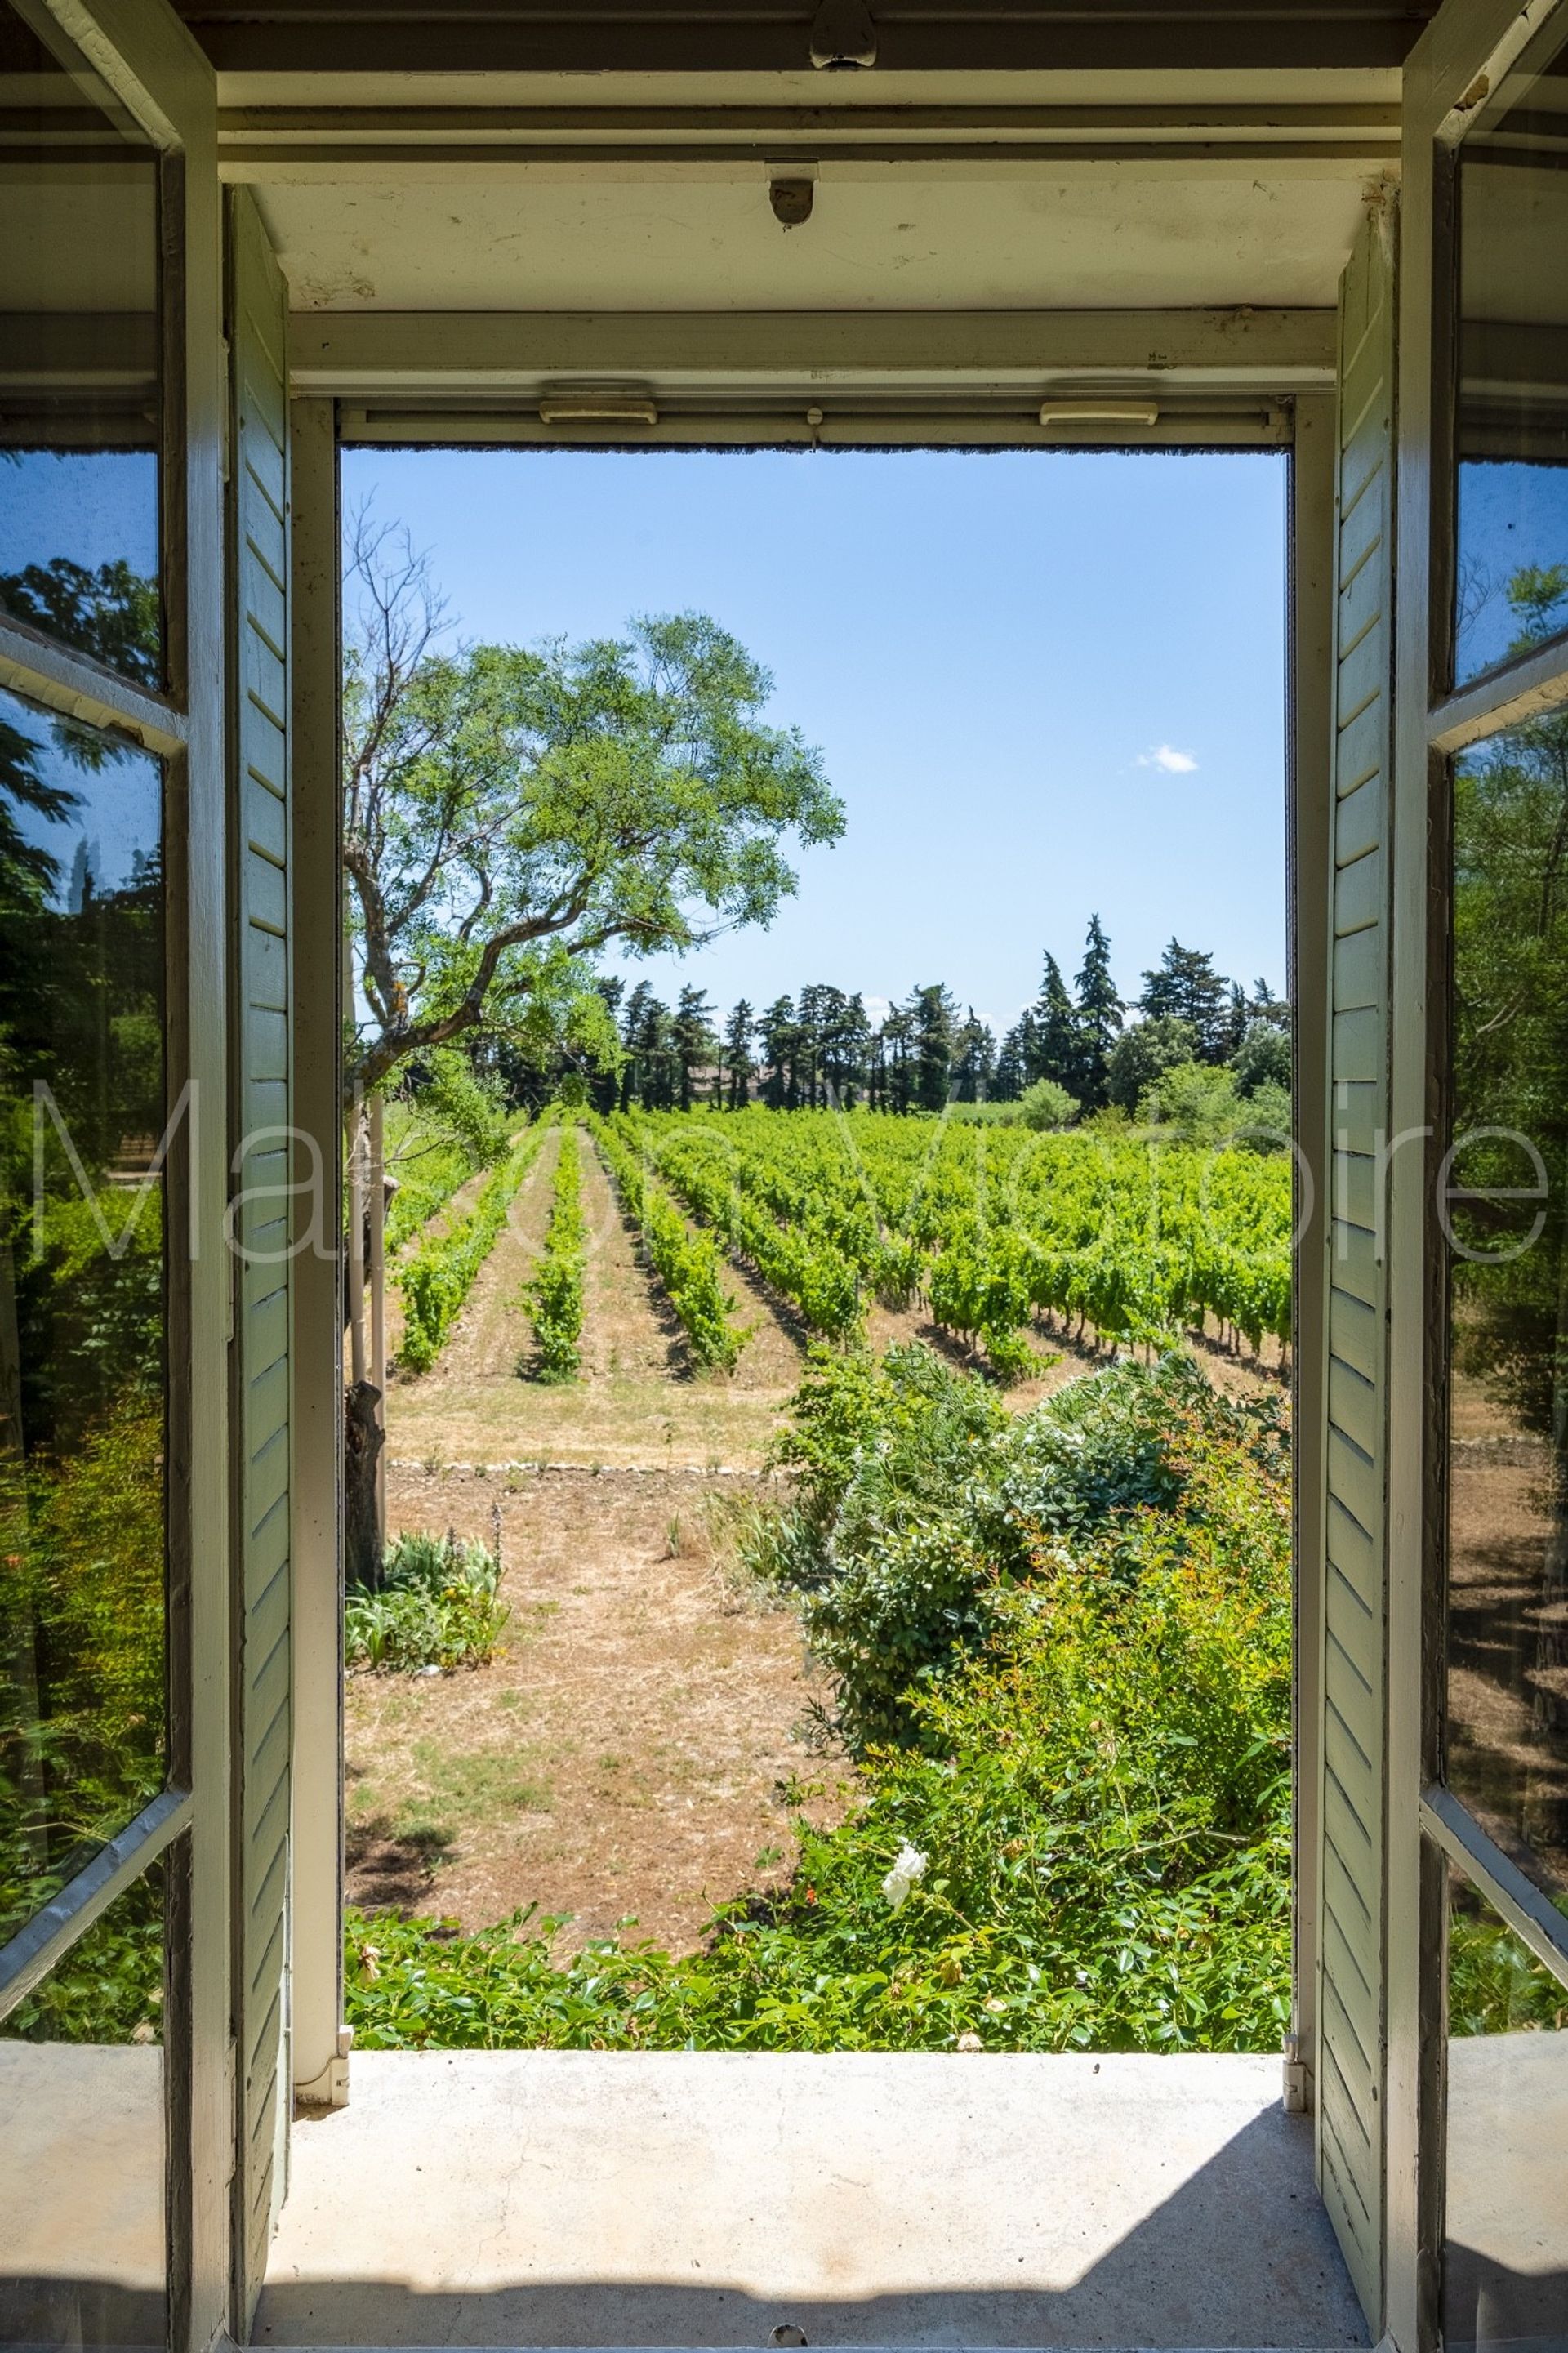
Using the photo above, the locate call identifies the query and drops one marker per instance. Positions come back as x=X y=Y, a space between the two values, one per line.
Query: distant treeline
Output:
x=821 y=1045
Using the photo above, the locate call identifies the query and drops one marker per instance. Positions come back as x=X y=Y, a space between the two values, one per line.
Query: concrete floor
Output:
x=561 y=2199
x=81 y=2194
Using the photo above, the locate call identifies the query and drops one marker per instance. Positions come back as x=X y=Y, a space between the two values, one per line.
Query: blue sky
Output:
x=1044 y=683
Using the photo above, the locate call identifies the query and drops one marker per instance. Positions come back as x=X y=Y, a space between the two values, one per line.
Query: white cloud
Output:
x=1174 y=763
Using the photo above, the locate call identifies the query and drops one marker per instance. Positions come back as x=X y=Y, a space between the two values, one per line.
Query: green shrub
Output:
x=1047 y=1106
x=437 y=1605
x=916 y=1495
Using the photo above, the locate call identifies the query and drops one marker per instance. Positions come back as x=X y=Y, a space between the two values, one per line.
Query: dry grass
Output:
x=636 y=1749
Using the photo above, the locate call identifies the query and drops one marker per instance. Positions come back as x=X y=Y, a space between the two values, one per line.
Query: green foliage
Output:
x=687 y=1264
x=1144 y=1053
x=110 y=1986
x=444 y=1131
x=1095 y=1786
x=437 y=1606
x=1047 y=1106
x=110 y=613
x=990 y=1224
x=81 y=1585
x=1195 y=1102
x=917 y=1498
x=1496 y=1986
x=782 y=1210
x=1265 y=1119
x=509 y=812
x=554 y=1290
x=1263 y=1059
x=439 y=1276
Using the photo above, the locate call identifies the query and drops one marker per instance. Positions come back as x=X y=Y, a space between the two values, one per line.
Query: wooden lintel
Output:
x=369 y=352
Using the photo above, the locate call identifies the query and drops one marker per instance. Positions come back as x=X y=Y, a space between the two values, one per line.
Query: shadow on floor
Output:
x=1234 y=2257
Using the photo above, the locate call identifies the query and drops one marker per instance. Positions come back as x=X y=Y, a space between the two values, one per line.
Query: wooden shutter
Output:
x=258 y=540
x=1351 y=2012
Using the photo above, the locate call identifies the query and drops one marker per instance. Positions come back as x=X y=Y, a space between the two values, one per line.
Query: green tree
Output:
x=737 y=1034
x=509 y=812
x=780 y=1040
x=896 y=1037
x=1097 y=1023
x=110 y=613
x=1187 y=988
x=692 y=1038
x=1195 y=1101
x=1144 y=1053
x=846 y=1047
x=1055 y=1026
x=973 y=1059
x=1047 y=1106
x=932 y=1016
x=1015 y=1058
x=1263 y=1057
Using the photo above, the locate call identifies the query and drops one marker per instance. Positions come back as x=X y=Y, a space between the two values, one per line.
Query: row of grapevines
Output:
x=431 y=1174
x=687 y=1264
x=809 y=1244
x=439 y=1277
x=554 y=1290
x=1132 y=1237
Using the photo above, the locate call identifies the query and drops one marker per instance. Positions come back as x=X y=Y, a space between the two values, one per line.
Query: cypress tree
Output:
x=1098 y=1020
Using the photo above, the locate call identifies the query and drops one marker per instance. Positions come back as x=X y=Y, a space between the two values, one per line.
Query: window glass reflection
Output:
x=1511 y=586
x=82 y=1296
x=1508 y=1488
x=79 y=355
x=1505 y=2270
x=82 y=2254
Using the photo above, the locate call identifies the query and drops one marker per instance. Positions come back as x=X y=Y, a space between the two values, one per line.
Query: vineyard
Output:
x=990 y=1232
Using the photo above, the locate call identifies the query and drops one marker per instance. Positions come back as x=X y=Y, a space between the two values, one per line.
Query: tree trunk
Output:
x=363 y=1443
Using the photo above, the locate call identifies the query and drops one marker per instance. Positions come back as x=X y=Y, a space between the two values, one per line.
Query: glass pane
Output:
x=83 y=2252
x=1511 y=584
x=79 y=355
x=1505 y=2266
x=82 y=1296
x=1508 y=1529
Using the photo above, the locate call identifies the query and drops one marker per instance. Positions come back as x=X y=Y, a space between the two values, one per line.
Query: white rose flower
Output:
x=910 y=1865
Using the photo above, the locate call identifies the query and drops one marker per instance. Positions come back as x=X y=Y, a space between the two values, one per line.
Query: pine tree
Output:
x=691 y=1038
x=846 y=1046
x=737 y=1055
x=1014 y=1058
x=1056 y=1050
x=973 y=1059
x=1187 y=988
x=932 y=1013
x=635 y=1022
x=776 y=1028
x=896 y=1037
x=1097 y=1023
x=1264 y=1005
x=604 y=1085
